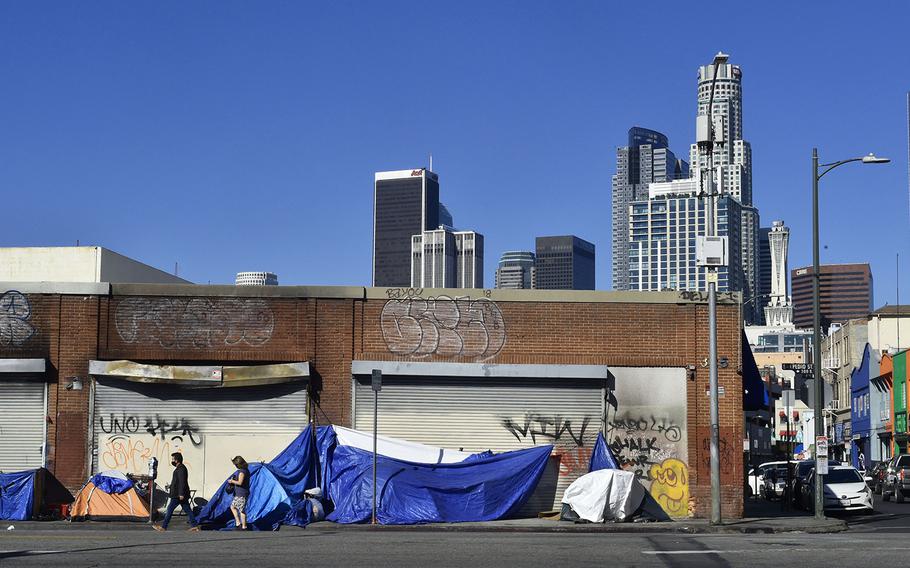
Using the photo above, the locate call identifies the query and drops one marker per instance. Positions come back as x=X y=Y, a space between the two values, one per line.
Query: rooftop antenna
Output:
x=898 y=284
x=175 y=268
x=431 y=162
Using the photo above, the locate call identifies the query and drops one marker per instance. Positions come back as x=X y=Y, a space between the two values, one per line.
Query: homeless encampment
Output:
x=31 y=494
x=109 y=496
x=607 y=493
x=416 y=483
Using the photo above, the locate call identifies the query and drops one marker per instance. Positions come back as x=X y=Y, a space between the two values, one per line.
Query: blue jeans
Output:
x=172 y=506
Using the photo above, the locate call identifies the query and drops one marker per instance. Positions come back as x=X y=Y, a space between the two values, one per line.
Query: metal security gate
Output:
x=23 y=408
x=133 y=422
x=477 y=414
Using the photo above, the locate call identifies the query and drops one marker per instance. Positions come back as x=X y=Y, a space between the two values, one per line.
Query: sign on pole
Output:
x=801 y=367
x=821 y=455
x=377 y=386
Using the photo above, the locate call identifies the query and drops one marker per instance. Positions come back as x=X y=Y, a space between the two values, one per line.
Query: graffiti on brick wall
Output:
x=198 y=323
x=670 y=486
x=726 y=456
x=15 y=311
x=420 y=326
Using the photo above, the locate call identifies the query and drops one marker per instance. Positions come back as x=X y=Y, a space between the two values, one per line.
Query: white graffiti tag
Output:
x=15 y=311
x=445 y=326
x=197 y=323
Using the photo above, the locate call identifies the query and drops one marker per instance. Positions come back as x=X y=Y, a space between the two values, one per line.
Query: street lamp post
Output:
x=707 y=146
x=816 y=311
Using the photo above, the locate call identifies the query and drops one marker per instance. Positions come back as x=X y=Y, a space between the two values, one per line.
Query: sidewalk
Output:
x=755 y=525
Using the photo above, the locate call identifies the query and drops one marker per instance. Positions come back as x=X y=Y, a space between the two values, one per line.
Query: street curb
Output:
x=586 y=528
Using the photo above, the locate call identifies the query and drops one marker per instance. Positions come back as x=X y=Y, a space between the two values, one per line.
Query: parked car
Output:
x=756 y=477
x=896 y=479
x=845 y=490
x=775 y=482
x=801 y=472
x=878 y=476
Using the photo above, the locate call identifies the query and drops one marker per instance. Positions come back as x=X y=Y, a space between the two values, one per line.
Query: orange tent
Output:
x=92 y=503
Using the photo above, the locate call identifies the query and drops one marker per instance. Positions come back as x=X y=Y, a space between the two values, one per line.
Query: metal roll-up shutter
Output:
x=136 y=421
x=477 y=414
x=23 y=408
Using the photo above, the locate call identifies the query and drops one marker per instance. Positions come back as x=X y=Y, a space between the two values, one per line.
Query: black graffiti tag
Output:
x=123 y=424
x=553 y=428
x=178 y=429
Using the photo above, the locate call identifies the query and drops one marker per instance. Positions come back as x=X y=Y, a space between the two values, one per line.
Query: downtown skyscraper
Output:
x=645 y=159
x=654 y=247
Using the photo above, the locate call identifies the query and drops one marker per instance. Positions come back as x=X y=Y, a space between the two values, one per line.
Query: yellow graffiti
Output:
x=128 y=455
x=670 y=486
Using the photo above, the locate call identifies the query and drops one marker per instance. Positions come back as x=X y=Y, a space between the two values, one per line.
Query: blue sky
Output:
x=234 y=136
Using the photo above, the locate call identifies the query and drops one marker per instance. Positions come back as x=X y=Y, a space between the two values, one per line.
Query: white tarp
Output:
x=396 y=448
x=607 y=494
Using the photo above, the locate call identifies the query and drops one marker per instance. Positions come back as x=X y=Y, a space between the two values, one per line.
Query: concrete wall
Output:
x=645 y=334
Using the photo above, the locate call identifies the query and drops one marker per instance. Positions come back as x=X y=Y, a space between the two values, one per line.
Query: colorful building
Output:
x=860 y=415
x=900 y=403
x=881 y=388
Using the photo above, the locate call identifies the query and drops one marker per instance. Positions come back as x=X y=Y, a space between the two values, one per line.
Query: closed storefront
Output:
x=426 y=404
x=23 y=412
x=208 y=424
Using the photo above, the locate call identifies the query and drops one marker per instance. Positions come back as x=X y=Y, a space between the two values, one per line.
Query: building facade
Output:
x=845 y=292
x=444 y=258
x=77 y=264
x=764 y=266
x=564 y=263
x=664 y=231
x=779 y=310
x=842 y=353
x=645 y=159
x=517 y=270
x=405 y=203
x=92 y=377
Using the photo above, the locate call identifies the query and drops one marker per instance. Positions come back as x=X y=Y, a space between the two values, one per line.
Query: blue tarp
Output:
x=266 y=506
x=483 y=489
x=602 y=457
x=17 y=495
x=111 y=484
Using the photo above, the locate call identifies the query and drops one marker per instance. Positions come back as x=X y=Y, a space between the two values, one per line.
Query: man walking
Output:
x=179 y=494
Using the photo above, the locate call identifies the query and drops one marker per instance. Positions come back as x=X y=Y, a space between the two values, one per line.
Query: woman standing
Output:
x=241 y=483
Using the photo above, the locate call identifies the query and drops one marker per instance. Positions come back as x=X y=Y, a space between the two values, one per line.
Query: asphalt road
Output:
x=869 y=542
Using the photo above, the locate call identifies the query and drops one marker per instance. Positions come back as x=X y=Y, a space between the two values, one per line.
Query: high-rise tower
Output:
x=779 y=311
x=644 y=160
x=405 y=203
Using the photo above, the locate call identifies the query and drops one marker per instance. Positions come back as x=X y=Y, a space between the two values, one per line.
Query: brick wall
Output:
x=331 y=331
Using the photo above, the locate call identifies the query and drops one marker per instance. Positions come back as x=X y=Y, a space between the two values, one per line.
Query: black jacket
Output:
x=180 y=486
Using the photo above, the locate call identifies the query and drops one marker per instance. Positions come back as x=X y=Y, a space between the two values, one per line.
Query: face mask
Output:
x=173 y=463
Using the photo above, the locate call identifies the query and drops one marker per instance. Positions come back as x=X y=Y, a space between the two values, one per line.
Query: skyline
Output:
x=243 y=144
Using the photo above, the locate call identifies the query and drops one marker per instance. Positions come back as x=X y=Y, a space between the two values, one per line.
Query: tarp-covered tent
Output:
x=434 y=485
x=483 y=489
x=602 y=457
x=109 y=496
x=31 y=494
x=266 y=507
x=17 y=495
x=605 y=495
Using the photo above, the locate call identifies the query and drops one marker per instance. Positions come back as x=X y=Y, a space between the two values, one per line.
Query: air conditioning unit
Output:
x=711 y=251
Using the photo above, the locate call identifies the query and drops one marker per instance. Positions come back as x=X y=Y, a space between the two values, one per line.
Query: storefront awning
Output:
x=502 y=371
x=202 y=375
x=20 y=366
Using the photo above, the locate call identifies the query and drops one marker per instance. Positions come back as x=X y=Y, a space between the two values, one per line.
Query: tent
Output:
x=17 y=495
x=266 y=507
x=482 y=489
x=417 y=483
x=109 y=496
x=605 y=495
x=29 y=494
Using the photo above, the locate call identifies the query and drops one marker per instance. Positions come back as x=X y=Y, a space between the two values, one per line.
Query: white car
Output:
x=845 y=490
x=757 y=476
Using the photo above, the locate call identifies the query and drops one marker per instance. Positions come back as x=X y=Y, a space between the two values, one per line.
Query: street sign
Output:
x=800 y=367
x=821 y=455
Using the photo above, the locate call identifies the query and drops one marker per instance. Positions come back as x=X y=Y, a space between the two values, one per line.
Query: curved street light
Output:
x=816 y=327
